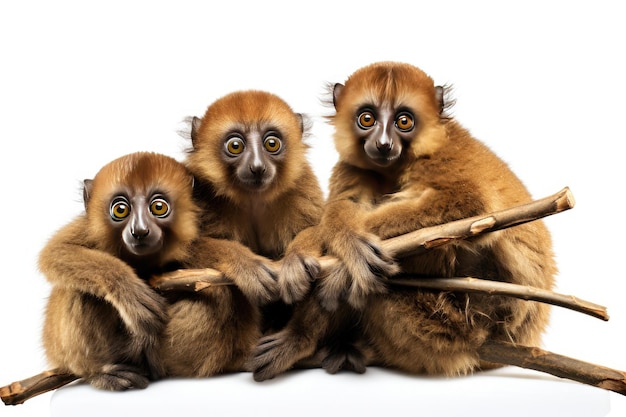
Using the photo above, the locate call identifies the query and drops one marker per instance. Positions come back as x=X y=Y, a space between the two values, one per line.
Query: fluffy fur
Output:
x=404 y=165
x=102 y=320
x=255 y=200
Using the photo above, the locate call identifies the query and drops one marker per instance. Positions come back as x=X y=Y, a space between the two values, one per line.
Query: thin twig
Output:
x=424 y=239
x=525 y=292
x=558 y=365
x=192 y=280
x=427 y=238
x=204 y=278
x=20 y=391
x=411 y=243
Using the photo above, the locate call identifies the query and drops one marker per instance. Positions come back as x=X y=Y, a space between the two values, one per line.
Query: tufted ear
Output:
x=444 y=99
x=195 y=125
x=87 y=189
x=337 y=89
x=301 y=119
x=439 y=96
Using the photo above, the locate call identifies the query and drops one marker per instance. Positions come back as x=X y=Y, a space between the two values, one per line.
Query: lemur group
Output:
x=246 y=202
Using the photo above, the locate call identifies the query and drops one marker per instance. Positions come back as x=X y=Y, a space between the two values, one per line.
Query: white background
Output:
x=541 y=82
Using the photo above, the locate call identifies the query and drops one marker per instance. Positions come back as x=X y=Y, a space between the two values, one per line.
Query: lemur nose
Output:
x=383 y=148
x=257 y=169
x=140 y=233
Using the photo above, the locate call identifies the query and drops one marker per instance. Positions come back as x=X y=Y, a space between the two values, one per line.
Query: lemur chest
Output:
x=261 y=232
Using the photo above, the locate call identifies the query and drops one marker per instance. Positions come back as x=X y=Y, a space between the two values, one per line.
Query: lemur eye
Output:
x=120 y=209
x=235 y=145
x=159 y=207
x=366 y=120
x=405 y=121
x=272 y=144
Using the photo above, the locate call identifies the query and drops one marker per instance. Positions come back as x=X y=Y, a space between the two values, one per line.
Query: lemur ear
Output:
x=87 y=189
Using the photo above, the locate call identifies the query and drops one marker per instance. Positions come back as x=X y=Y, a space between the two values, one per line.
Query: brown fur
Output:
x=102 y=320
x=442 y=174
x=242 y=226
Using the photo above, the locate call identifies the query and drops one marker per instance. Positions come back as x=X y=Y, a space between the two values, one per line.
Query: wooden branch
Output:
x=192 y=280
x=502 y=353
x=424 y=239
x=411 y=243
x=558 y=365
x=524 y=292
x=20 y=391
x=427 y=238
x=415 y=242
x=200 y=279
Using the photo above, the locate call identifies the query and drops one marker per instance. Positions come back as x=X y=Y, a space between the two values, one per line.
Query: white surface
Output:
x=507 y=392
x=541 y=82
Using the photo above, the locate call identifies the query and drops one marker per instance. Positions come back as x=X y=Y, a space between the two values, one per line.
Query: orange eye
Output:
x=272 y=144
x=405 y=122
x=159 y=207
x=120 y=209
x=235 y=146
x=366 y=120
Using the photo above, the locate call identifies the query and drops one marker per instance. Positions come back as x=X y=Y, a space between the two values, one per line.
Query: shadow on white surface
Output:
x=505 y=392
